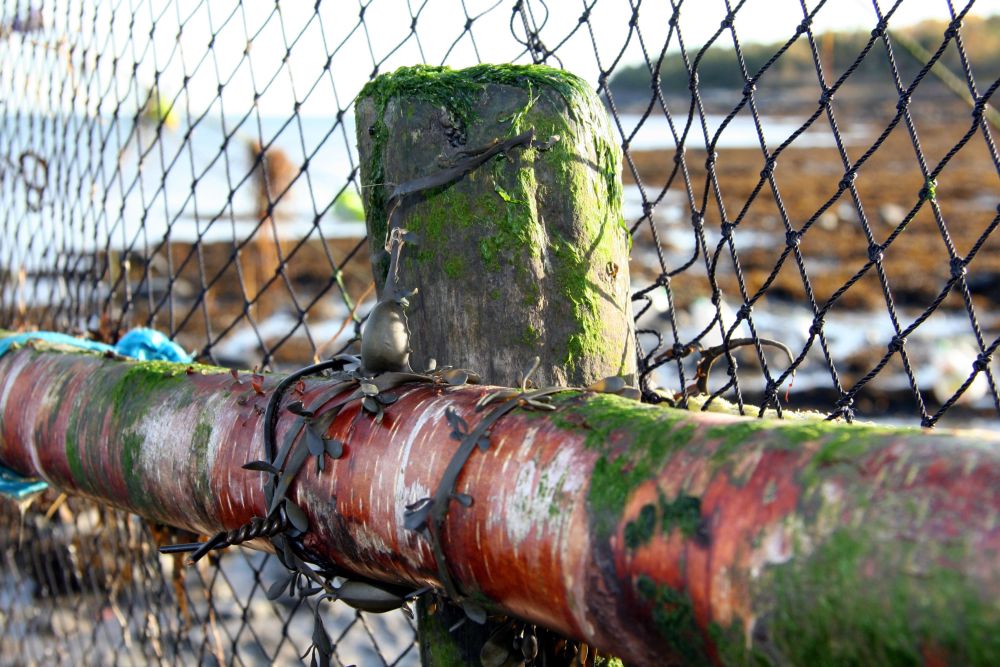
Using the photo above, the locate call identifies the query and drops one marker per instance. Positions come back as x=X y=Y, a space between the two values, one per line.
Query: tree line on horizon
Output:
x=719 y=67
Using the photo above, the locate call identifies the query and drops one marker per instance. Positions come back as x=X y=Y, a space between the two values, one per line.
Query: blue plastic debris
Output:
x=151 y=345
x=142 y=344
x=15 y=487
x=54 y=338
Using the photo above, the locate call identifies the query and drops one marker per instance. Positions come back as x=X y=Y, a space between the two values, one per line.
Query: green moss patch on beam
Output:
x=641 y=530
x=673 y=616
x=634 y=440
x=201 y=439
x=131 y=456
x=73 y=455
x=837 y=442
x=682 y=513
x=828 y=612
x=131 y=395
x=130 y=391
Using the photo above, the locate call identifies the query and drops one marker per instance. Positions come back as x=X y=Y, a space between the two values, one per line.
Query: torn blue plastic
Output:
x=51 y=337
x=142 y=344
x=15 y=487
x=150 y=345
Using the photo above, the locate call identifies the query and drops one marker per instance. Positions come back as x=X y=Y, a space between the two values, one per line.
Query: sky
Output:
x=383 y=36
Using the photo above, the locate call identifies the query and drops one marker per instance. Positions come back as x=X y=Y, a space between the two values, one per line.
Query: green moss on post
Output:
x=442 y=647
x=525 y=256
x=528 y=254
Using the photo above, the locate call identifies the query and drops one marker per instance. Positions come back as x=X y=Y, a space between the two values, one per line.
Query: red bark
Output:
x=658 y=535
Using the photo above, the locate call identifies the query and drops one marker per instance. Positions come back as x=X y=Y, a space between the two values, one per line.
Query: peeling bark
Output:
x=661 y=536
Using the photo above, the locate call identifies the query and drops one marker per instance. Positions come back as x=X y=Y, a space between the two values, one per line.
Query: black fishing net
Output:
x=812 y=189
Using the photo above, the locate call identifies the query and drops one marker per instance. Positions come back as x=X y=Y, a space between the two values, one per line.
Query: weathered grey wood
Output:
x=525 y=256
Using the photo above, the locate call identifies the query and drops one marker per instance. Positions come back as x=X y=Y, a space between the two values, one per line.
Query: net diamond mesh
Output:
x=191 y=166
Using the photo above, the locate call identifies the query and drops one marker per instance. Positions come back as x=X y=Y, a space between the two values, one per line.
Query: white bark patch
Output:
x=829 y=515
x=10 y=379
x=775 y=548
x=536 y=503
x=368 y=539
x=408 y=493
x=160 y=426
x=175 y=472
x=526 y=507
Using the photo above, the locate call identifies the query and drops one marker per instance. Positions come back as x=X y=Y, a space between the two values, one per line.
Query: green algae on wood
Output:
x=886 y=554
x=74 y=457
x=828 y=613
x=538 y=233
x=673 y=615
x=456 y=91
x=615 y=427
x=852 y=589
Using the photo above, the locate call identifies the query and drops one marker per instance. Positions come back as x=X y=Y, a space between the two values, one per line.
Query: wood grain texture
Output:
x=527 y=254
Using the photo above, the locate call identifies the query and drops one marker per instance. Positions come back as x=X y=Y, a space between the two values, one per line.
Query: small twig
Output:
x=709 y=356
x=350 y=318
x=56 y=504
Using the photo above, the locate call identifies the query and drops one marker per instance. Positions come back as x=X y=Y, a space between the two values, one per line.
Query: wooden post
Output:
x=526 y=255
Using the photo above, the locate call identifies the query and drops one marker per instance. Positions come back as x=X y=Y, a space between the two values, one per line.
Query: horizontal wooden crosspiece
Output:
x=659 y=535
